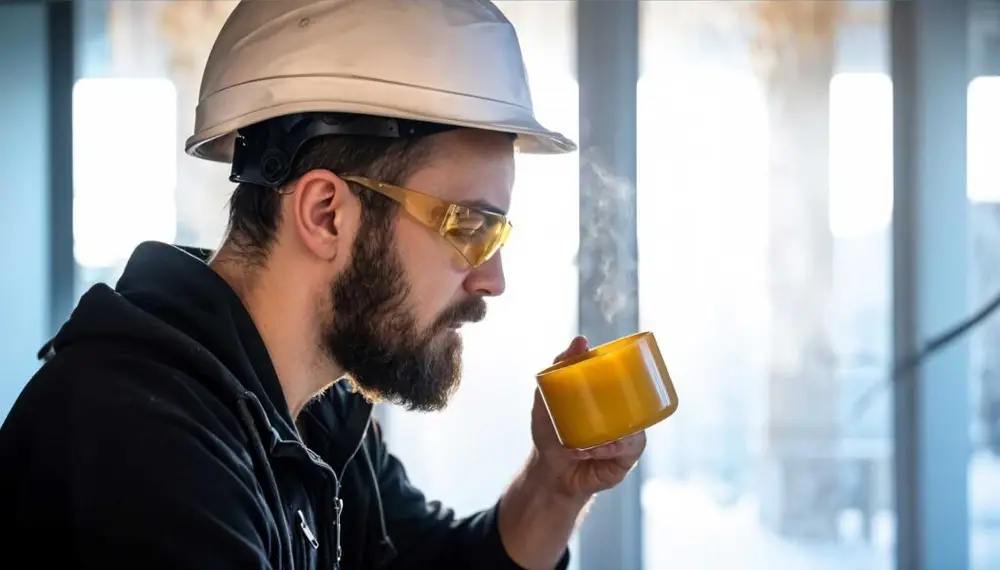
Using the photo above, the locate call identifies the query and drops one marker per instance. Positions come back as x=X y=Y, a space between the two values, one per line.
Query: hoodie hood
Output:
x=169 y=300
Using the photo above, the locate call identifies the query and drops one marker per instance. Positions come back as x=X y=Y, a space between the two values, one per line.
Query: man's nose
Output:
x=487 y=279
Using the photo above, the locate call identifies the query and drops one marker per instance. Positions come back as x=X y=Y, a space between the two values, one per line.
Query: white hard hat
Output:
x=451 y=62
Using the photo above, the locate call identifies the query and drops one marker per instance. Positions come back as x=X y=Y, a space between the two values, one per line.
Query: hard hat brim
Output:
x=366 y=96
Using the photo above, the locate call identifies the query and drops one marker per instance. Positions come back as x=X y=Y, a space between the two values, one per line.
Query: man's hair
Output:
x=255 y=211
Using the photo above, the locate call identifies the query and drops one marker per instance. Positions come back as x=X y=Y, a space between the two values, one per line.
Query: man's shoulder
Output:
x=91 y=389
x=103 y=447
x=123 y=374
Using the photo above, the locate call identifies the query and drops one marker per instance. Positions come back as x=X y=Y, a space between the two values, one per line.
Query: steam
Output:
x=610 y=260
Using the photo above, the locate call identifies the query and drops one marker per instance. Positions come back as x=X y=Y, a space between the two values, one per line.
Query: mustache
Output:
x=471 y=310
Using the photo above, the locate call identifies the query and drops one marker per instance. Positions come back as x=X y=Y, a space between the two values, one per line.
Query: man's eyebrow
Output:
x=480 y=204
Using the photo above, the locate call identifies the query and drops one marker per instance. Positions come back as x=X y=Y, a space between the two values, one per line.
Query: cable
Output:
x=934 y=345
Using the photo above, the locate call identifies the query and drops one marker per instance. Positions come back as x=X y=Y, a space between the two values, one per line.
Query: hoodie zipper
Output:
x=304 y=525
x=338 y=502
x=316 y=460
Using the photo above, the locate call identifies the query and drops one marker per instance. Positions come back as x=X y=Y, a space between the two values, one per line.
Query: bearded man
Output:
x=213 y=409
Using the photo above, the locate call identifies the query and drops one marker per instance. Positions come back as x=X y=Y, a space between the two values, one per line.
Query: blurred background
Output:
x=787 y=192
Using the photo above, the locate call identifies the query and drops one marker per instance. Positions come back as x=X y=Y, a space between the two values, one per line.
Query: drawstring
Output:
x=389 y=550
x=271 y=486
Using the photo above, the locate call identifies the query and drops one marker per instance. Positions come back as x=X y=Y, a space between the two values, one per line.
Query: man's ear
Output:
x=320 y=211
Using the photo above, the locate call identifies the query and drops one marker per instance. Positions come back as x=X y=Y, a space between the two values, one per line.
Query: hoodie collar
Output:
x=176 y=285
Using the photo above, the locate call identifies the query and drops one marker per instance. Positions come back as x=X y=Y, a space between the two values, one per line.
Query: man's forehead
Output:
x=472 y=168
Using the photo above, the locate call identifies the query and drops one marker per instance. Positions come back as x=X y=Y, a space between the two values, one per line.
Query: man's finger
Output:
x=630 y=445
x=577 y=346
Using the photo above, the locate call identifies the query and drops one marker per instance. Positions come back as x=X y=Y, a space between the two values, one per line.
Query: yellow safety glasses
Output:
x=476 y=234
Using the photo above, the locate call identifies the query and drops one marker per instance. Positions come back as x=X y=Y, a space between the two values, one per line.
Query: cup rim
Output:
x=599 y=351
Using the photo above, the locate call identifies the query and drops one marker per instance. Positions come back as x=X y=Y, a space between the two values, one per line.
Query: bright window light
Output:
x=124 y=167
x=703 y=181
x=984 y=140
x=860 y=153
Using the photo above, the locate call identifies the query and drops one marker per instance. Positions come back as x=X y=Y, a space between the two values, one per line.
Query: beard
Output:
x=374 y=336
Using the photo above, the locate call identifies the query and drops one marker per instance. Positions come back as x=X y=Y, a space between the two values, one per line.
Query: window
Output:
x=124 y=179
x=749 y=257
x=149 y=79
x=984 y=140
x=860 y=154
x=984 y=219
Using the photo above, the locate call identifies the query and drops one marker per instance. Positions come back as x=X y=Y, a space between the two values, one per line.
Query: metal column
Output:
x=608 y=72
x=930 y=251
x=62 y=76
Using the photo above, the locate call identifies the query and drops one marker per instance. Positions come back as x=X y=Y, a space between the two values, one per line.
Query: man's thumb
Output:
x=577 y=346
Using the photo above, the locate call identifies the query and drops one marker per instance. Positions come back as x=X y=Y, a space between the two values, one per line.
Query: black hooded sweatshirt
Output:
x=156 y=436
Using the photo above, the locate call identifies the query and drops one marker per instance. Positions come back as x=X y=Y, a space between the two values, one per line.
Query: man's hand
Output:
x=572 y=473
x=539 y=511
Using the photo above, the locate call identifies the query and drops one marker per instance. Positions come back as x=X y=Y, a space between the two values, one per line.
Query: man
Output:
x=192 y=417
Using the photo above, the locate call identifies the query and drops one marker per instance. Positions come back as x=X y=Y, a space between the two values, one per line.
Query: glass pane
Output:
x=123 y=184
x=147 y=45
x=765 y=191
x=984 y=220
x=984 y=217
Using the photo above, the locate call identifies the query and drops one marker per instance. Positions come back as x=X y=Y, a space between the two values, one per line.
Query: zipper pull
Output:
x=338 y=506
x=307 y=531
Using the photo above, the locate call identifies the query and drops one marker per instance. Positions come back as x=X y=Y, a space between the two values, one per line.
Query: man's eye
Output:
x=467 y=226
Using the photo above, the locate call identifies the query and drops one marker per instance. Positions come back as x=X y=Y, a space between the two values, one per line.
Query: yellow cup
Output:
x=609 y=392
